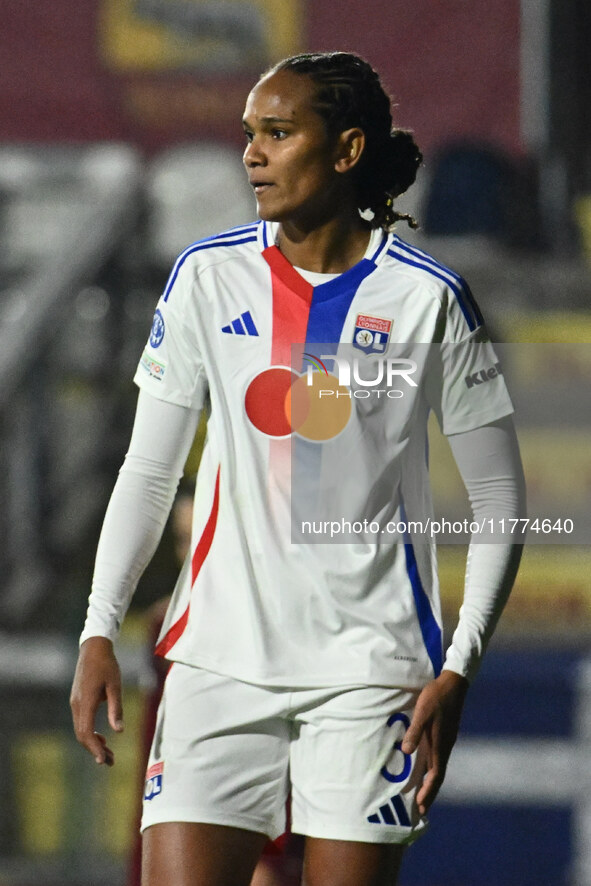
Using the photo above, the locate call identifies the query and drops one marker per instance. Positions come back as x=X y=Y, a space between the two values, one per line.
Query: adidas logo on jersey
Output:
x=393 y=812
x=243 y=325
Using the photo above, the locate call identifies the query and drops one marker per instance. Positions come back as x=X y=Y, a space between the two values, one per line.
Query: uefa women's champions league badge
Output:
x=372 y=334
x=157 y=333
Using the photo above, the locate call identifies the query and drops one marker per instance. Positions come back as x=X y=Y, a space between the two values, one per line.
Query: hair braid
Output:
x=349 y=93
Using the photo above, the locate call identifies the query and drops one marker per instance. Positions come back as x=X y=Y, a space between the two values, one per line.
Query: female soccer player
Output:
x=298 y=666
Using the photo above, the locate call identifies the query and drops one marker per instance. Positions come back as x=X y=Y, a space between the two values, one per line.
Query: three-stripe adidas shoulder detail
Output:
x=233 y=237
x=416 y=258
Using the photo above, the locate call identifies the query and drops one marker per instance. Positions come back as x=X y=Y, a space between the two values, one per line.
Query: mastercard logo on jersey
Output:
x=315 y=406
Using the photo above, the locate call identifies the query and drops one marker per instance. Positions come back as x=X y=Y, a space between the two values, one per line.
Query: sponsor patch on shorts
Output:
x=154 y=368
x=154 y=781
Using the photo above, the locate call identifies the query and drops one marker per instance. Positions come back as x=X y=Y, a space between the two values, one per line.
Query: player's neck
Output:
x=331 y=248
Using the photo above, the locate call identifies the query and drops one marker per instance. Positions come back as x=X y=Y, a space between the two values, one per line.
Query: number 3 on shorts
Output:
x=407 y=764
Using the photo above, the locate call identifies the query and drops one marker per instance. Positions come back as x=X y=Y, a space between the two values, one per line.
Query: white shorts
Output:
x=227 y=752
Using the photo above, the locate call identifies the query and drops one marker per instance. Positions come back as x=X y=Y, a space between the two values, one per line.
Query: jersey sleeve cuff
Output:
x=109 y=632
x=477 y=419
x=457 y=663
x=153 y=387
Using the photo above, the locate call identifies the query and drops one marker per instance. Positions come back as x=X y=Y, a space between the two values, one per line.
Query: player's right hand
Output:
x=97 y=679
x=436 y=721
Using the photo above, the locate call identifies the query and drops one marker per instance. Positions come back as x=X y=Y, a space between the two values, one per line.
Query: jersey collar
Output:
x=379 y=241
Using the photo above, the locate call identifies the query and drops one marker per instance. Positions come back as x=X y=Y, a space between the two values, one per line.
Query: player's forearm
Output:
x=490 y=574
x=131 y=531
x=491 y=468
x=138 y=510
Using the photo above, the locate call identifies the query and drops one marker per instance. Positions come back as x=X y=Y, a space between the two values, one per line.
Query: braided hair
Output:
x=349 y=94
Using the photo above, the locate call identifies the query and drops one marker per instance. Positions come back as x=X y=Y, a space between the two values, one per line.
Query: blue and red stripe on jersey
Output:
x=308 y=314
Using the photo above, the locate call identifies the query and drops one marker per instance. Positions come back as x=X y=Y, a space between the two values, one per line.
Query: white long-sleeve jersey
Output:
x=319 y=397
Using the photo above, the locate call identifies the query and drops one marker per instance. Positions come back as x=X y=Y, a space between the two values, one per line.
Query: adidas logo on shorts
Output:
x=393 y=812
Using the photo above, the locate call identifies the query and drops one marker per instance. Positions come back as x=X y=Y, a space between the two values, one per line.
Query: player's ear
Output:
x=350 y=146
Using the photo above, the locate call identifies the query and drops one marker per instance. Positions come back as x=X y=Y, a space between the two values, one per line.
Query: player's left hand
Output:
x=436 y=721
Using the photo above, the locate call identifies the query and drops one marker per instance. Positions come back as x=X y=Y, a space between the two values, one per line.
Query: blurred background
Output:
x=120 y=143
